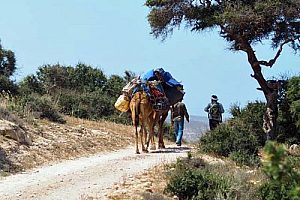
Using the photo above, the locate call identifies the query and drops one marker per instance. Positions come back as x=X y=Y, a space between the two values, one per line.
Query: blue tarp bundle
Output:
x=169 y=80
x=169 y=85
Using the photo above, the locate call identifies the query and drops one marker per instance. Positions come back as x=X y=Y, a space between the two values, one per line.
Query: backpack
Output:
x=214 y=111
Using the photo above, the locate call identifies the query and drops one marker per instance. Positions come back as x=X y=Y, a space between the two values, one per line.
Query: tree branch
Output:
x=271 y=62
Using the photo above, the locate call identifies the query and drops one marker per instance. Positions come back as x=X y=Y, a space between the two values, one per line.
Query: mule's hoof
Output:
x=161 y=147
x=137 y=152
x=145 y=151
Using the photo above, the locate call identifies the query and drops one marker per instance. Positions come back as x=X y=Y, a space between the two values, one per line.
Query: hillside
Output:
x=196 y=128
x=54 y=142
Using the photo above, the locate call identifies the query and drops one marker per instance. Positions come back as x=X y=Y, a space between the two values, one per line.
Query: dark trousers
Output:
x=213 y=124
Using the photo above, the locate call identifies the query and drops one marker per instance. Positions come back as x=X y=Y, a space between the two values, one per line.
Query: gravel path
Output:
x=72 y=179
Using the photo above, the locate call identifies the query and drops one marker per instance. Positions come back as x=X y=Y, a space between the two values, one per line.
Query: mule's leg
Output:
x=151 y=133
x=155 y=121
x=135 y=124
x=151 y=124
x=153 y=145
x=142 y=139
x=161 y=121
x=145 y=134
x=151 y=136
x=136 y=140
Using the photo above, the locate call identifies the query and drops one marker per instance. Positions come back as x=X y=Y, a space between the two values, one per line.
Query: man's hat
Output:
x=214 y=97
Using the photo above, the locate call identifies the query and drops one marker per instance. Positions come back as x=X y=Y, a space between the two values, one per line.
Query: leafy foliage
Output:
x=240 y=138
x=30 y=84
x=42 y=107
x=7 y=62
x=7 y=69
x=81 y=91
x=284 y=181
x=277 y=20
x=188 y=181
x=87 y=105
x=289 y=118
x=293 y=95
x=6 y=85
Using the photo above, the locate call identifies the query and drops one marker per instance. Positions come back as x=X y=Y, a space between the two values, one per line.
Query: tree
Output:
x=30 y=84
x=7 y=68
x=243 y=24
x=53 y=77
x=87 y=78
x=114 y=86
x=7 y=62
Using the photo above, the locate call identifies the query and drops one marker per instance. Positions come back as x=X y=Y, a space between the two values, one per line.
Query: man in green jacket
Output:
x=215 y=111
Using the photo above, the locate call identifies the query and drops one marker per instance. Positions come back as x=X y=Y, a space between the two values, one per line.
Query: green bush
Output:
x=240 y=137
x=123 y=118
x=6 y=85
x=289 y=108
x=89 y=105
x=188 y=182
x=284 y=181
x=252 y=118
x=82 y=91
x=42 y=107
x=233 y=140
x=30 y=84
x=244 y=158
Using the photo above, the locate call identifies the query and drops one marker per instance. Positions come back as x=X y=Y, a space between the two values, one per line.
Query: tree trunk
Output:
x=270 y=90
x=270 y=115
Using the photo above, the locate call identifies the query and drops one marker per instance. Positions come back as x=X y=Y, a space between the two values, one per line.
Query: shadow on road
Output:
x=175 y=149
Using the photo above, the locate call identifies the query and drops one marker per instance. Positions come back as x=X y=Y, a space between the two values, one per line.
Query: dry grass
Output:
x=54 y=142
x=147 y=185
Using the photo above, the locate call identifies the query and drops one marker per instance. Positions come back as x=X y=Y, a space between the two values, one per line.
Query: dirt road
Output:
x=85 y=176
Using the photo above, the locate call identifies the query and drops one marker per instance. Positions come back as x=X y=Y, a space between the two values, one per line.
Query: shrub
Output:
x=9 y=116
x=283 y=181
x=7 y=85
x=233 y=140
x=252 y=118
x=42 y=107
x=88 y=105
x=244 y=158
x=240 y=137
x=188 y=182
x=123 y=118
x=289 y=107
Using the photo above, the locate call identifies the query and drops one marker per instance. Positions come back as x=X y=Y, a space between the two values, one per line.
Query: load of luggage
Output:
x=161 y=88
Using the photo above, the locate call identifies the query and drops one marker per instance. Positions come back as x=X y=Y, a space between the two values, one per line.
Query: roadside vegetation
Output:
x=254 y=168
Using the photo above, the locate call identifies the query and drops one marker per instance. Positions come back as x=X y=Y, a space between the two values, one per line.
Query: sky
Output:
x=114 y=35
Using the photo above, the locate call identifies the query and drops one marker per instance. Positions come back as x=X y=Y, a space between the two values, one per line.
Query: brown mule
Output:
x=142 y=113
